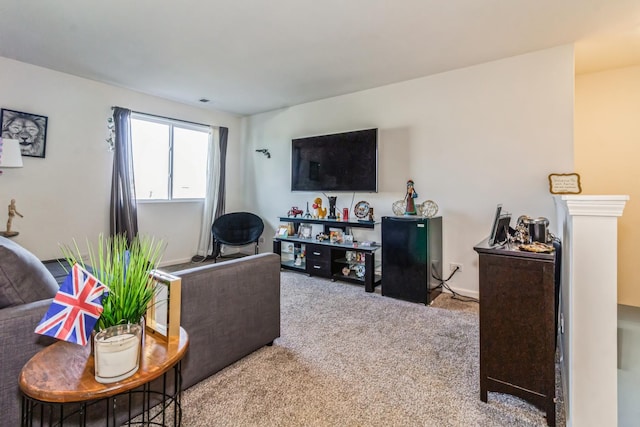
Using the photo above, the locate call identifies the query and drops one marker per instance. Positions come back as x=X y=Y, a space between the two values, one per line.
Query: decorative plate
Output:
x=361 y=210
x=428 y=209
x=360 y=270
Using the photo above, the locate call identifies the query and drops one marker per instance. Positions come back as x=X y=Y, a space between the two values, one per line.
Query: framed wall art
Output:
x=29 y=129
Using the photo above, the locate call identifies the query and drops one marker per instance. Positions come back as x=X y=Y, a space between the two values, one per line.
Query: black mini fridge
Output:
x=411 y=258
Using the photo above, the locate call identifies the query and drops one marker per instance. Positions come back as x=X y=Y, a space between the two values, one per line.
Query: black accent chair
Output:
x=236 y=229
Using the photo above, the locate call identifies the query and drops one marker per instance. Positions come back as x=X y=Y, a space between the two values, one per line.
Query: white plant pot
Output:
x=117 y=352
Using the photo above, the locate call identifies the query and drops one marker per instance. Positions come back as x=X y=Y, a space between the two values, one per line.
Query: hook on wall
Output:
x=265 y=152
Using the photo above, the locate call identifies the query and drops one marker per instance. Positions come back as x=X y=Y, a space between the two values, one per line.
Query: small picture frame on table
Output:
x=163 y=314
x=305 y=231
x=335 y=235
x=500 y=228
x=283 y=231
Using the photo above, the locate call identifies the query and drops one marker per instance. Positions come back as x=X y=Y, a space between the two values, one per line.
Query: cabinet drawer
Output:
x=318 y=268
x=317 y=252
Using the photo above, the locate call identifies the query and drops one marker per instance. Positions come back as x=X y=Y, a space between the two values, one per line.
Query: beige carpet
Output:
x=349 y=358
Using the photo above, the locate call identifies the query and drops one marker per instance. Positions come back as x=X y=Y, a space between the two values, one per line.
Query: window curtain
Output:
x=123 y=208
x=215 y=197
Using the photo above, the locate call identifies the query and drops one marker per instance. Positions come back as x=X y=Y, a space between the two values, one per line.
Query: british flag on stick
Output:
x=75 y=309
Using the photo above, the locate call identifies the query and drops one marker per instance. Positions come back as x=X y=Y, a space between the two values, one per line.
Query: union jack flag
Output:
x=75 y=309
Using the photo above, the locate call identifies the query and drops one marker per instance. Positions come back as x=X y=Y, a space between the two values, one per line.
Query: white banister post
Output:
x=589 y=226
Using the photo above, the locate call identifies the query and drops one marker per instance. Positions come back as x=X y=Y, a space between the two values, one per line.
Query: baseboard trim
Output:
x=463 y=292
x=165 y=263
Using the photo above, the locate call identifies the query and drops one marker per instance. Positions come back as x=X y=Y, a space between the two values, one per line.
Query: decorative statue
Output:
x=410 y=208
x=332 y=207
x=319 y=210
x=12 y=213
x=307 y=214
x=294 y=212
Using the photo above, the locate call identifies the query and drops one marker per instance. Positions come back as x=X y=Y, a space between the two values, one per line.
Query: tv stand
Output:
x=326 y=259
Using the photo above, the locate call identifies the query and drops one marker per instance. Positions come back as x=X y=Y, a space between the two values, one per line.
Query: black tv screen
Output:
x=345 y=161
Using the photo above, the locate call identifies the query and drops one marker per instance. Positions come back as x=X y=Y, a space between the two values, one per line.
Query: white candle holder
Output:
x=117 y=352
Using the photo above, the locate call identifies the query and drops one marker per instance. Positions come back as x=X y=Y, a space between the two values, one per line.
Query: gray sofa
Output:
x=229 y=310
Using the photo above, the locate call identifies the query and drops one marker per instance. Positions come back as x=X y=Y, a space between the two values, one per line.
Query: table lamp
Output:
x=10 y=156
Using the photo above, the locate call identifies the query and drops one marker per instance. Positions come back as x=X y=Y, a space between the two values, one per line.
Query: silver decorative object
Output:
x=398 y=207
x=111 y=128
x=427 y=209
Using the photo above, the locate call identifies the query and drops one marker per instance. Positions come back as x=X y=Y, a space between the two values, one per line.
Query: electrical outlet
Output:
x=454 y=265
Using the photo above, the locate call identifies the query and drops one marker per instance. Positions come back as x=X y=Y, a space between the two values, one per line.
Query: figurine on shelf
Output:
x=321 y=237
x=332 y=206
x=320 y=212
x=410 y=206
x=307 y=214
x=12 y=213
x=294 y=212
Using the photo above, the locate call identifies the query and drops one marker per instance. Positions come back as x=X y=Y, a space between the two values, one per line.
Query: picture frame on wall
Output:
x=29 y=129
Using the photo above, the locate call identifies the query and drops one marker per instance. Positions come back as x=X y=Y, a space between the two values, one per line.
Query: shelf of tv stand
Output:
x=326 y=259
x=329 y=223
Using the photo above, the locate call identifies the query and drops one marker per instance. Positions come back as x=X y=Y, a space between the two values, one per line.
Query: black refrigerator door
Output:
x=404 y=258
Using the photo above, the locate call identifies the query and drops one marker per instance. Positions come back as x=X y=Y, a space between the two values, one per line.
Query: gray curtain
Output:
x=215 y=198
x=224 y=134
x=123 y=209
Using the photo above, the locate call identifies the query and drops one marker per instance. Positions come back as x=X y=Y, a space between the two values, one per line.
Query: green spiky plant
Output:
x=124 y=268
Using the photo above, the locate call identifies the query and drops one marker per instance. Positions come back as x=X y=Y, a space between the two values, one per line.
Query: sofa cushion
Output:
x=23 y=278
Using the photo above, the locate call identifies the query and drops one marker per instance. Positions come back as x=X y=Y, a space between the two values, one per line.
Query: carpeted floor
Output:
x=349 y=358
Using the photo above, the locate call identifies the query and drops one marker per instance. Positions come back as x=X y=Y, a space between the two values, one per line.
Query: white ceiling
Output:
x=250 y=56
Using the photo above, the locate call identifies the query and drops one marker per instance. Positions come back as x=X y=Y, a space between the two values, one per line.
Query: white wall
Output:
x=469 y=138
x=66 y=194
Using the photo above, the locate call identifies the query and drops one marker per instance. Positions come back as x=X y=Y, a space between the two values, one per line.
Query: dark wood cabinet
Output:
x=518 y=296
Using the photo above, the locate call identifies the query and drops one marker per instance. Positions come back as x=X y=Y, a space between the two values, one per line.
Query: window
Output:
x=169 y=158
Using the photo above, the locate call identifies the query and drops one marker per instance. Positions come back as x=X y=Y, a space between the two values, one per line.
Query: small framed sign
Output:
x=564 y=183
x=163 y=314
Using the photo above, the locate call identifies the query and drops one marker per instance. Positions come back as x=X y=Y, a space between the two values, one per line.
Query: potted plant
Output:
x=124 y=268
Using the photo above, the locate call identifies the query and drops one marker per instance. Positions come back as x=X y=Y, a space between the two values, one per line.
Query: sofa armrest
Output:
x=229 y=310
x=19 y=344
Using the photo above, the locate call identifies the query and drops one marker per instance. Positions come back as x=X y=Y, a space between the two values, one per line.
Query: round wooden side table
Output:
x=59 y=386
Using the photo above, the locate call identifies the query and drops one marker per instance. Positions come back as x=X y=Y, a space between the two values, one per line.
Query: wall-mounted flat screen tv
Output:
x=345 y=161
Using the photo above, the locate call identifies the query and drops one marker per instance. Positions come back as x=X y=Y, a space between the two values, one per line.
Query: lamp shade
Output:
x=10 y=156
